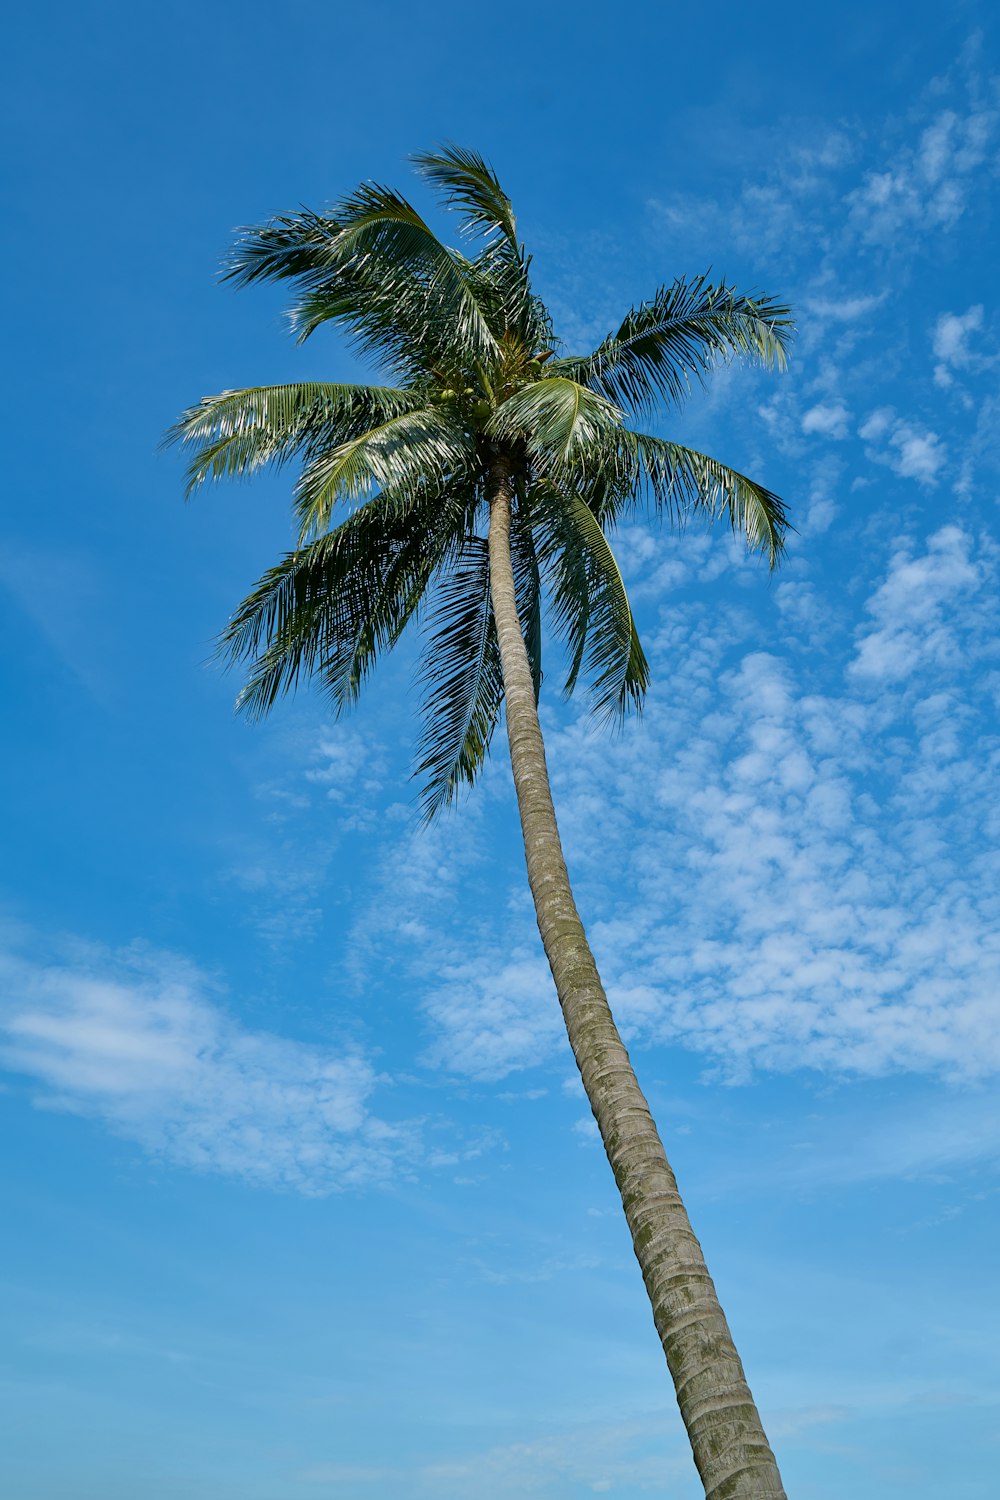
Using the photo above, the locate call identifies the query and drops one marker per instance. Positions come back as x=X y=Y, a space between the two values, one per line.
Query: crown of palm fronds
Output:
x=475 y=373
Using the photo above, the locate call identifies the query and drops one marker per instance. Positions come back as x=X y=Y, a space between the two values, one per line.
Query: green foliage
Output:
x=238 y=432
x=476 y=380
x=684 y=330
x=558 y=422
x=589 y=603
x=462 y=675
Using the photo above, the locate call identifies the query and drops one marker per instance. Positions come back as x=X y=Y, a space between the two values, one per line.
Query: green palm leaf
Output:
x=472 y=348
x=463 y=678
x=469 y=183
x=686 y=329
x=500 y=273
x=238 y=432
x=590 y=604
x=557 y=419
x=329 y=609
x=403 y=453
x=377 y=268
x=682 y=482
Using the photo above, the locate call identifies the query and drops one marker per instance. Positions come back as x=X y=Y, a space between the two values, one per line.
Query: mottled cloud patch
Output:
x=909 y=450
x=139 y=1041
x=925 y=185
x=792 y=862
x=951 y=343
x=916 y=615
x=827 y=419
x=493 y=1015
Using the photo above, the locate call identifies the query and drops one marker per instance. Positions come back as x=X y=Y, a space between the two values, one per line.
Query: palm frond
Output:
x=681 y=482
x=466 y=336
x=329 y=609
x=289 y=247
x=557 y=419
x=404 y=453
x=514 y=311
x=500 y=271
x=375 y=267
x=682 y=332
x=238 y=432
x=590 y=603
x=463 y=678
x=469 y=183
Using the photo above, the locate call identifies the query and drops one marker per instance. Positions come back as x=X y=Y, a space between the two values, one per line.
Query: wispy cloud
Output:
x=799 y=840
x=853 y=214
x=139 y=1041
x=914 y=622
x=852 y=188
x=925 y=186
x=910 y=451
x=828 y=419
x=600 y=1458
x=951 y=343
x=932 y=1138
x=283 y=868
x=845 y=309
x=492 y=1013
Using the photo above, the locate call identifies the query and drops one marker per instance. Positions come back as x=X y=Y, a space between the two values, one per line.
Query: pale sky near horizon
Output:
x=301 y=1196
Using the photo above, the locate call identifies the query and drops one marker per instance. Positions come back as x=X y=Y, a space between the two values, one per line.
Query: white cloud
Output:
x=935 y=1136
x=805 y=872
x=827 y=419
x=920 y=454
x=877 y=424
x=910 y=451
x=134 y=1040
x=916 y=612
x=925 y=186
x=599 y=1457
x=951 y=334
x=804 y=199
x=345 y=762
x=950 y=341
x=493 y=1015
x=844 y=309
x=766 y=215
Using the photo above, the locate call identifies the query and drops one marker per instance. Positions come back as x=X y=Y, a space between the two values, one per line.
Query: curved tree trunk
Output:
x=730 y=1449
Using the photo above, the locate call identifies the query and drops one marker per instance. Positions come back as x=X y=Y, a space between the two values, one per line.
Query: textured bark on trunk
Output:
x=730 y=1449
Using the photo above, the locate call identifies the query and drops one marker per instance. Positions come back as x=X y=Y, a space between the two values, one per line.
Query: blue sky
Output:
x=301 y=1197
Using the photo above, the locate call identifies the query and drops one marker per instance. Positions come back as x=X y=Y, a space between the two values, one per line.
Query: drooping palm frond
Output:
x=329 y=609
x=558 y=420
x=469 y=183
x=514 y=311
x=682 y=482
x=403 y=453
x=380 y=229
x=590 y=604
x=238 y=432
x=682 y=332
x=377 y=321
x=462 y=676
x=375 y=267
x=500 y=272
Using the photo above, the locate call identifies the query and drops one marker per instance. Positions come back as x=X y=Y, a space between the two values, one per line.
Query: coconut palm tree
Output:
x=479 y=485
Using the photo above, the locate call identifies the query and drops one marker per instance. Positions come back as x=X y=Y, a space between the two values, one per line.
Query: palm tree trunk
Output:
x=730 y=1449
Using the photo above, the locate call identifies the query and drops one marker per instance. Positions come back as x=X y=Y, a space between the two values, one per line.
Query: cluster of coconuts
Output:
x=481 y=409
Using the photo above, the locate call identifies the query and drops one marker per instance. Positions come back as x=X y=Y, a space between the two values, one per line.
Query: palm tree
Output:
x=482 y=480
